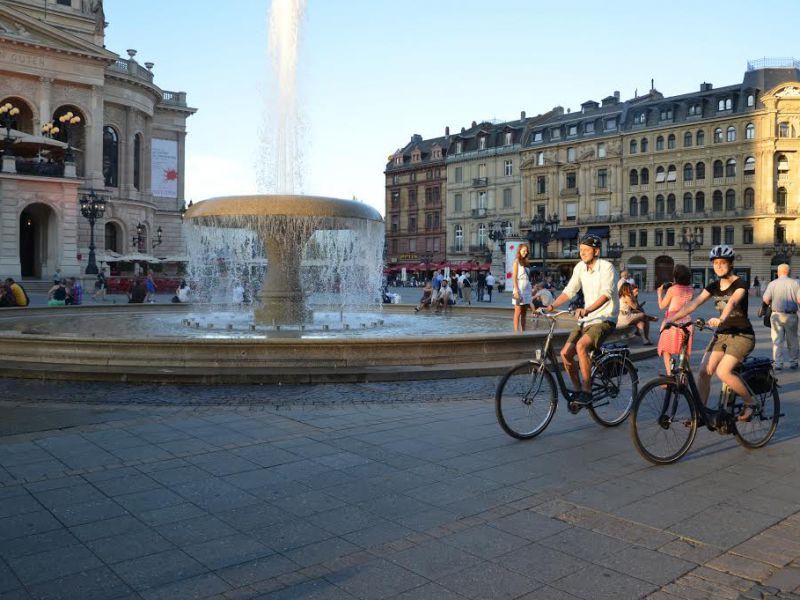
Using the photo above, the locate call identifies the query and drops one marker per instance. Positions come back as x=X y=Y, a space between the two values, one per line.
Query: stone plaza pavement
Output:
x=376 y=491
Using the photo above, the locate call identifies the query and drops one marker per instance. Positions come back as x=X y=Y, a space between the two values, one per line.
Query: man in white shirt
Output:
x=490 y=281
x=541 y=296
x=595 y=277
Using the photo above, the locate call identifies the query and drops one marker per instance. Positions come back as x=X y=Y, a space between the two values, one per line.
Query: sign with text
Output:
x=164 y=168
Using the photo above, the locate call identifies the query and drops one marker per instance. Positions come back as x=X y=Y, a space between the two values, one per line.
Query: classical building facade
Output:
x=126 y=143
x=650 y=174
x=415 y=189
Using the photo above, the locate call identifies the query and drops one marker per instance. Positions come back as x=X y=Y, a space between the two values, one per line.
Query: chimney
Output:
x=463 y=129
x=705 y=87
x=558 y=110
x=616 y=94
x=474 y=124
x=447 y=131
x=522 y=115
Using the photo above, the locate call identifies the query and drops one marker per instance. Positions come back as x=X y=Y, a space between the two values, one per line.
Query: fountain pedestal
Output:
x=282 y=297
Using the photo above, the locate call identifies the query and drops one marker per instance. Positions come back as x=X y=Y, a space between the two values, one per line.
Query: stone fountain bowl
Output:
x=281 y=205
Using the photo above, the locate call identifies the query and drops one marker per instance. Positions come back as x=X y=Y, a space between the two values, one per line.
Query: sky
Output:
x=373 y=72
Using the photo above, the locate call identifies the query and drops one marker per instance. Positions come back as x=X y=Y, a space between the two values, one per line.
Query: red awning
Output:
x=484 y=267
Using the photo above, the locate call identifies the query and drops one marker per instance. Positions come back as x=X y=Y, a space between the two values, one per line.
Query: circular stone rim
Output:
x=289 y=205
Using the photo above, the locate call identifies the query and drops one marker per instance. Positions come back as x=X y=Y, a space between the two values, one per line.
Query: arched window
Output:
x=672 y=173
x=540 y=159
x=659 y=204
x=23 y=121
x=749 y=165
x=660 y=142
x=751 y=100
x=112 y=239
x=730 y=200
x=718 y=169
x=74 y=134
x=730 y=168
x=749 y=198
x=750 y=132
x=643 y=144
x=731 y=134
x=633 y=147
x=780 y=201
x=644 y=176
x=459 y=238
x=699 y=202
x=137 y=161
x=644 y=206
x=700 y=170
x=701 y=138
x=671 y=204
x=110 y=157
x=482 y=235
x=718 y=135
x=687 y=202
x=671 y=142
x=728 y=104
x=633 y=207
x=783 y=163
x=688 y=172
x=716 y=201
x=687 y=139
x=661 y=175
x=634 y=177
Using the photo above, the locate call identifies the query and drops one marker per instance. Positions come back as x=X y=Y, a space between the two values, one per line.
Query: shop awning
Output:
x=601 y=232
x=567 y=233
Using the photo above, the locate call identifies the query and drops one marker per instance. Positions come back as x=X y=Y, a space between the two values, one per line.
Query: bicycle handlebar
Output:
x=698 y=323
x=542 y=312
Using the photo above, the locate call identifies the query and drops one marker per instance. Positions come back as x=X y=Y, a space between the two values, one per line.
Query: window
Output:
x=670 y=237
x=749 y=199
x=670 y=142
x=643 y=238
x=412 y=245
x=780 y=233
x=661 y=175
x=459 y=237
x=395 y=200
x=718 y=170
x=716 y=235
x=540 y=159
x=413 y=177
x=731 y=134
x=64 y=2
x=601 y=150
x=537 y=136
x=699 y=202
x=412 y=224
x=700 y=170
x=571 y=210
x=644 y=176
x=631 y=239
x=482 y=235
x=634 y=177
x=588 y=127
x=508 y=228
x=659 y=235
x=666 y=114
x=660 y=143
x=611 y=124
x=459 y=174
x=729 y=235
x=724 y=104
x=412 y=199
x=672 y=173
x=112 y=241
x=688 y=172
x=541 y=184
x=483 y=200
x=394 y=245
x=687 y=139
x=751 y=101
x=508 y=168
x=459 y=147
x=137 y=161
x=730 y=168
x=459 y=203
x=750 y=132
x=730 y=200
x=602 y=178
x=718 y=135
x=110 y=157
x=643 y=144
x=602 y=207
x=507 y=198
x=660 y=204
x=783 y=163
x=784 y=130
x=633 y=207
x=700 y=138
x=507 y=138
x=749 y=165
x=716 y=202
x=482 y=143
x=687 y=202
x=571 y=181
x=572 y=130
x=695 y=110
x=644 y=206
x=429 y=174
x=395 y=179
x=640 y=118
x=395 y=224
x=571 y=154
x=633 y=147
x=671 y=204
x=555 y=133
x=747 y=234
x=781 y=199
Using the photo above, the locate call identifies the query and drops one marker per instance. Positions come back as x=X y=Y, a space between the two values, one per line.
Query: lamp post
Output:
x=690 y=242
x=498 y=236
x=615 y=252
x=136 y=240
x=7 y=113
x=784 y=249
x=92 y=208
x=68 y=120
x=543 y=230
x=158 y=240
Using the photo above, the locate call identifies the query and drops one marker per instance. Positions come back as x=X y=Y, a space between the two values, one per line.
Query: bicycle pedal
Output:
x=573 y=407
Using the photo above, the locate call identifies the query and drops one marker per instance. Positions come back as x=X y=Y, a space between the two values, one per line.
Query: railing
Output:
x=480 y=182
x=132 y=69
x=773 y=63
x=478 y=212
x=459 y=248
x=174 y=98
x=569 y=191
x=477 y=248
x=597 y=219
x=39 y=168
x=749 y=177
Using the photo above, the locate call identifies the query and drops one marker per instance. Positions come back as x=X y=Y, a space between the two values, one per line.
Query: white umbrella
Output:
x=175 y=258
x=38 y=140
x=138 y=257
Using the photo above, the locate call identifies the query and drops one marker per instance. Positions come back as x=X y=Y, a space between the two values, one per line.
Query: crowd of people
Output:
x=442 y=291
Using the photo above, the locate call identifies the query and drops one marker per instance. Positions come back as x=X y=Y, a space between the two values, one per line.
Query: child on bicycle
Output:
x=595 y=277
x=734 y=338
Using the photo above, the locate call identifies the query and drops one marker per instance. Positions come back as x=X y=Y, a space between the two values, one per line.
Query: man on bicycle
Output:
x=734 y=338
x=595 y=277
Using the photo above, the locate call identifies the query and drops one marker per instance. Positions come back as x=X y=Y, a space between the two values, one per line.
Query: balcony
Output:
x=569 y=192
x=38 y=168
x=456 y=249
x=749 y=177
x=478 y=212
x=132 y=69
x=173 y=98
x=478 y=248
x=480 y=182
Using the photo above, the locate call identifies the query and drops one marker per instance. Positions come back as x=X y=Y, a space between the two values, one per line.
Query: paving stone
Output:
x=178 y=475
x=152 y=499
x=485 y=541
x=584 y=544
x=724 y=525
x=225 y=552
x=598 y=583
x=88 y=512
x=727 y=580
x=39 y=542
x=27 y=524
x=434 y=559
x=52 y=564
x=489 y=580
x=200 y=586
x=222 y=463
x=308 y=503
x=158 y=570
x=8 y=581
x=375 y=580
x=323 y=551
x=93 y=583
x=550 y=593
x=786 y=579
x=741 y=566
x=129 y=545
x=647 y=565
x=127 y=484
x=345 y=520
x=429 y=591
x=107 y=528
x=18 y=505
x=541 y=562
x=214 y=495
x=260 y=569
x=195 y=530
x=377 y=534
x=171 y=514
x=769 y=548
x=426 y=519
x=314 y=589
x=254 y=516
x=691 y=550
x=288 y=535
x=529 y=525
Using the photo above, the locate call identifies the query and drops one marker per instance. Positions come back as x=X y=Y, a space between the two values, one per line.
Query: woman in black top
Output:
x=735 y=337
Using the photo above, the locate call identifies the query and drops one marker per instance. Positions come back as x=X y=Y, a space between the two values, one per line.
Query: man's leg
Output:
x=790 y=332
x=584 y=347
x=777 y=335
x=570 y=366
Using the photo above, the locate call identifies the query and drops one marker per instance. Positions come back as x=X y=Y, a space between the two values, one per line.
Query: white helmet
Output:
x=722 y=251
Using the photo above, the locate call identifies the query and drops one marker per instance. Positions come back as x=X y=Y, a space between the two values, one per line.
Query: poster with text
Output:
x=164 y=169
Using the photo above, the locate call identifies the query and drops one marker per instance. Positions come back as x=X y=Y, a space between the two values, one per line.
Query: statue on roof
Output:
x=99 y=16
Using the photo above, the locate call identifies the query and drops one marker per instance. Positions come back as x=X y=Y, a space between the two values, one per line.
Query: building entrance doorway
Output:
x=36 y=223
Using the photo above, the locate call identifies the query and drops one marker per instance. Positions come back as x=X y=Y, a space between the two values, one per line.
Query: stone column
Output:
x=126 y=155
x=146 y=166
x=67 y=259
x=94 y=141
x=45 y=103
x=9 y=228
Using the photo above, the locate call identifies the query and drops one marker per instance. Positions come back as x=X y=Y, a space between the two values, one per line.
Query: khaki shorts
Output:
x=597 y=332
x=738 y=345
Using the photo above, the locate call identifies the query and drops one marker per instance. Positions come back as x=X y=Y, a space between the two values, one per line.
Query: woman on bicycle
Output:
x=521 y=298
x=734 y=338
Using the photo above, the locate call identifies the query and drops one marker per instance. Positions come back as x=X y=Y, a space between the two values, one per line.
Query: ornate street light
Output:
x=784 y=249
x=136 y=240
x=158 y=240
x=92 y=208
x=68 y=120
x=543 y=230
x=690 y=242
x=498 y=236
x=7 y=113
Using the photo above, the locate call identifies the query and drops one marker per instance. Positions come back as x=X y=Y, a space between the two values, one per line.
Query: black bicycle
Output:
x=668 y=409
x=527 y=397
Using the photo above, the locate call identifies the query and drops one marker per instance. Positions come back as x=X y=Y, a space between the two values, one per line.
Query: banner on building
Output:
x=164 y=169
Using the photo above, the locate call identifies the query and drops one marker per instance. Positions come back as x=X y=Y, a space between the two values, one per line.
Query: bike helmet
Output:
x=591 y=240
x=722 y=251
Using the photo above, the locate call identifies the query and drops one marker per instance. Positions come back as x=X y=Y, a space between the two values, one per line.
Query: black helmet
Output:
x=591 y=240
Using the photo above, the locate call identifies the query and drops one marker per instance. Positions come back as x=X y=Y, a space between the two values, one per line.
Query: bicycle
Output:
x=667 y=410
x=529 y=388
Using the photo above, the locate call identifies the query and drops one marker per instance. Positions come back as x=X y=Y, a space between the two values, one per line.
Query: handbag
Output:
x=766 y=312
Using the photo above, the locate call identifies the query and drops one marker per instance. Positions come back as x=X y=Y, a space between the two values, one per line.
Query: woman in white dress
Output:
x=521 y=298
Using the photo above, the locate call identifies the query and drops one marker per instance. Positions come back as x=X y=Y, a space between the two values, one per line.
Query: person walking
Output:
x=756 y=286
x=783 y=295
x=481 y=279
x=466 y=288
x=522 y=295
x=490 y=281
x=75 y=292
x=100 y=287
x=150 y=285
x=674 y=296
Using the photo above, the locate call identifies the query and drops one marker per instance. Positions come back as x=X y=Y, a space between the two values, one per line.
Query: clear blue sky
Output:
x=373 y=72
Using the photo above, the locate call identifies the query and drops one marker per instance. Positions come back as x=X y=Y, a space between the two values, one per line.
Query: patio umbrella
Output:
x=138 y=257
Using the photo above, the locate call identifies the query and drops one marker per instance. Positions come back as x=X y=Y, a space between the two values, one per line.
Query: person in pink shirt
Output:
x=674 y=296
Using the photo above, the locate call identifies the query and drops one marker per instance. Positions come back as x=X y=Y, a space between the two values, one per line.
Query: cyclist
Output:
x=595 y=277
x=735 y=338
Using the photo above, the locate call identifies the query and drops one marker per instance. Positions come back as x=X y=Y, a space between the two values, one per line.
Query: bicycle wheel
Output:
x=615 y=382
x=525 y=401
x=663 y=422
x=759 y=430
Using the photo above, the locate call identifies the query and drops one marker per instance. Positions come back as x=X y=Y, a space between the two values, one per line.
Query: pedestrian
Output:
x=137 y=293
x=455 y=289
x=673 y=296
x=490 y=281
x=57 y=277
x=20 y=295
x=100 y=287
x=74 y=292
x=150 y=286
x=460 y=282
x=437 y=280
x=57 y=295
x=481 y=284
x=522 y=295
x=783 y=295
x=466 y=288
x=427 y=297
x=757 y=286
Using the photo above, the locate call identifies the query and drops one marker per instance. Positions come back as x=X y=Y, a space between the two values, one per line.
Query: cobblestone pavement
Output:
x=397 y=490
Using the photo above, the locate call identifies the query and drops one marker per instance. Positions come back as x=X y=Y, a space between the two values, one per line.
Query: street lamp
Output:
x=690 y=241
x=157 y=241
x=7 y=113
x=784 y=249
x=136 y=240
x=498 y=236
x=92 y=208
x=543 y=230
x=68 y=120
x=615 y=251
